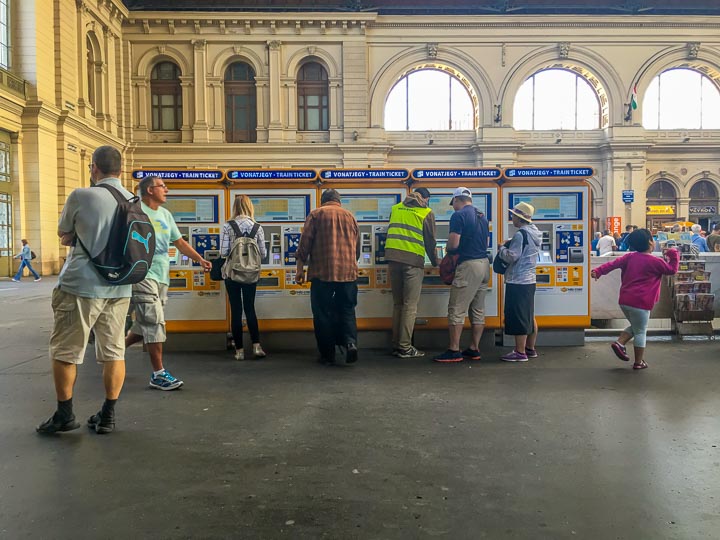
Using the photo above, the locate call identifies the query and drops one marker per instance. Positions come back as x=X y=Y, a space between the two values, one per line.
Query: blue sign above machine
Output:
x=628 y=195
x=272 y=174
x=553 y=172
x=431 y=174
x=365 y=174
x=178 y=175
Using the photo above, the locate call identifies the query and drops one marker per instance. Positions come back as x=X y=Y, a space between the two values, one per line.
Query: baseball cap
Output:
x=461 y=192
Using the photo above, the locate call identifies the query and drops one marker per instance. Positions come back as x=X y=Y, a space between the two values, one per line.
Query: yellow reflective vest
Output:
x=405 y=231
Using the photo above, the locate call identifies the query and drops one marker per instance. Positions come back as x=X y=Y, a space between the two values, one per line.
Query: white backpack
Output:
x=243 y=262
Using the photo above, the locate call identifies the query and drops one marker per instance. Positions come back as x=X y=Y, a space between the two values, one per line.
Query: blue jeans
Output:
x=26 y=263
x=639 y=319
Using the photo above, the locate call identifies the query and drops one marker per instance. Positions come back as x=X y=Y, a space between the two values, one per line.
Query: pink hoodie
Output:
x=641 y=275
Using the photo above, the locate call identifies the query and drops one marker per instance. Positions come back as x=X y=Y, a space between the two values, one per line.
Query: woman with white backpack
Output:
x=242 y=243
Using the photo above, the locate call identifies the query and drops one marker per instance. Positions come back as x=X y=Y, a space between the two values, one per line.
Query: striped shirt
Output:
x=330 y=243
x=246 y=224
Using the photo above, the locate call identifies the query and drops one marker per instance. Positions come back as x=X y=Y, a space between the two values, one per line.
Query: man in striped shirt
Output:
x=330 y=242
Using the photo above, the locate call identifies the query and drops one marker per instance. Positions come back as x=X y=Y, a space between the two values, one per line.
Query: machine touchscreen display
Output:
x=193 y=209
x=291 y=208
x=370 y=207
x=551 y=206
x=440 y=205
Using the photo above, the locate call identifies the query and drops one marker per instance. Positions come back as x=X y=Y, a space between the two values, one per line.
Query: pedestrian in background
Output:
x=641 y=275
x=25 y=257
x=242 y=295
x=606 y=244
x=594 y=243
x=330 y=242
x=410 y=236
x=469 y=235
x=521 y=253
x=150 y=295
x=698 y=240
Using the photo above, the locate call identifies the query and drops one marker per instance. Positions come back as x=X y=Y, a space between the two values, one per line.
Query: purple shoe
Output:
x=620 y=351
x=531 y=353
x=514 y=356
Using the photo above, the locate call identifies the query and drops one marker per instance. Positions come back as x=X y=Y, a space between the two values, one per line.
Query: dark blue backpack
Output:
x=128 y=254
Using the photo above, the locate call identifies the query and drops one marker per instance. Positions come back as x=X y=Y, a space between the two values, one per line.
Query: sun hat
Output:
x=461 y=192
x=524 y=211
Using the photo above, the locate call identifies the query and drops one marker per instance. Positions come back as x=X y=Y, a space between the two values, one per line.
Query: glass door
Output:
x=6 y=234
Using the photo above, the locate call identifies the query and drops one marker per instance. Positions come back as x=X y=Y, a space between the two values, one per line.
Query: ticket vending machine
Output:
x=282 y=199
x=432 y=308
x=561 y=198
x=370 y=195
x=197 y=202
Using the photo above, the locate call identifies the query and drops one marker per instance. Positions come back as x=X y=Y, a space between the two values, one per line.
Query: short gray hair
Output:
x=146 y=183
x=696 y=228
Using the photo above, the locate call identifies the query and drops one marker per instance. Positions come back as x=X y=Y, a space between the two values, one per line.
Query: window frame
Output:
x=162 y=88
x=240 y=87
x=313 y=88
x=5 y=36
x=658 y=120
x=576 y=89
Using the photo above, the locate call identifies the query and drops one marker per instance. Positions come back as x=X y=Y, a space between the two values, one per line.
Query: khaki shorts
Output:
x=75 y=316
x=468 y=292
x=148 y=300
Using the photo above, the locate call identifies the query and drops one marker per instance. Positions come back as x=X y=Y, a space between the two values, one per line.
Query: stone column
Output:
x=683 y=209
x=200 y=127
x=335 y=110
x=186 y=129
x=636 y=214
x=82 y=59
x=290 y=99
x=110 y=80
x=216 y=109
x=275 y=127
x=262 y=89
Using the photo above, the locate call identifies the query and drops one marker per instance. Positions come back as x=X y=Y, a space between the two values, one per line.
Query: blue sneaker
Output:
x=449 y=356
x=164 y=381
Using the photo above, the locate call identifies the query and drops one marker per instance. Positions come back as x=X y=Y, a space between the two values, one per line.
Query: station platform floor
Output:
x=573 y=444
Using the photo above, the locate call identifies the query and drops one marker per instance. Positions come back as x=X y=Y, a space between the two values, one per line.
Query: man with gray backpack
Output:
x=94 y=287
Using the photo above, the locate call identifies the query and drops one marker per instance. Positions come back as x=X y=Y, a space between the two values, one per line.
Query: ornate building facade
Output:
x=312 y=89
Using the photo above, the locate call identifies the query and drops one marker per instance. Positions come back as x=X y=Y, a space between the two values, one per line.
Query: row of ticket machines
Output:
x=200 y=208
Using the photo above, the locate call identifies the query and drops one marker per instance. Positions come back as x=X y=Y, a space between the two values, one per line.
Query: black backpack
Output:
x=128 y=254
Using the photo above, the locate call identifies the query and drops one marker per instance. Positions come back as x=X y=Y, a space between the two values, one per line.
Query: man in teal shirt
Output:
x=149 y=296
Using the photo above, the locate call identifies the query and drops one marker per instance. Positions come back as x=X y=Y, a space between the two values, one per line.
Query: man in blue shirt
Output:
x=469 y=233
x=698 y=240
x=25 y=257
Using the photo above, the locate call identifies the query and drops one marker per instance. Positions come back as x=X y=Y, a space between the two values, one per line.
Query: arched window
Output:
x=681 y=99
x=429 y=100
x=312 y=96
x=240 y=104
x=166 y=97
x=5 y=34
x=90 y=72
x=662 y=190
x=661 y=204
x=556 y=99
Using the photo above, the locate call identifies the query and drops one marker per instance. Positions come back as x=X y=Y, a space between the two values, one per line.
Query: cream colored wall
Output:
x=364 y=55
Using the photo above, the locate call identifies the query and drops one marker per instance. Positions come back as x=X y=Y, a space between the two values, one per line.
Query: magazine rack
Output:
x=692 y=300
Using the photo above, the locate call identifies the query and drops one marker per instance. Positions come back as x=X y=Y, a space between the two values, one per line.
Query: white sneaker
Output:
x=258 y=351
x=15 y=280
x=39 y=279
x=239 y=354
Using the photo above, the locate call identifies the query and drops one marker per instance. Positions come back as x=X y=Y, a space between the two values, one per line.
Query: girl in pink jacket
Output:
x=640 y=289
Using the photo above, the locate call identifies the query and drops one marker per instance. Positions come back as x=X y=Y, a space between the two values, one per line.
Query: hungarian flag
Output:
x=633 y=99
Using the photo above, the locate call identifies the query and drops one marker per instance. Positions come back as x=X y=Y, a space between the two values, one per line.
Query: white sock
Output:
x=156 y=373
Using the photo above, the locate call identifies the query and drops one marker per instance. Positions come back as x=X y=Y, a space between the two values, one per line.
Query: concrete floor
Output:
x=572 y=445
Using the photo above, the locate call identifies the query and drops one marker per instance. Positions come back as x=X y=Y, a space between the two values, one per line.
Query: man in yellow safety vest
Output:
x=410 y=235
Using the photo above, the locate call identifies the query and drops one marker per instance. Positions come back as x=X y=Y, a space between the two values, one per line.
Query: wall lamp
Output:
x=355 y=135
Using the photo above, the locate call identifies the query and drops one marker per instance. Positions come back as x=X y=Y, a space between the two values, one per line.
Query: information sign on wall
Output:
x=703 y=210
x=178 y=175
x=628 y=195
x=660 y=210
